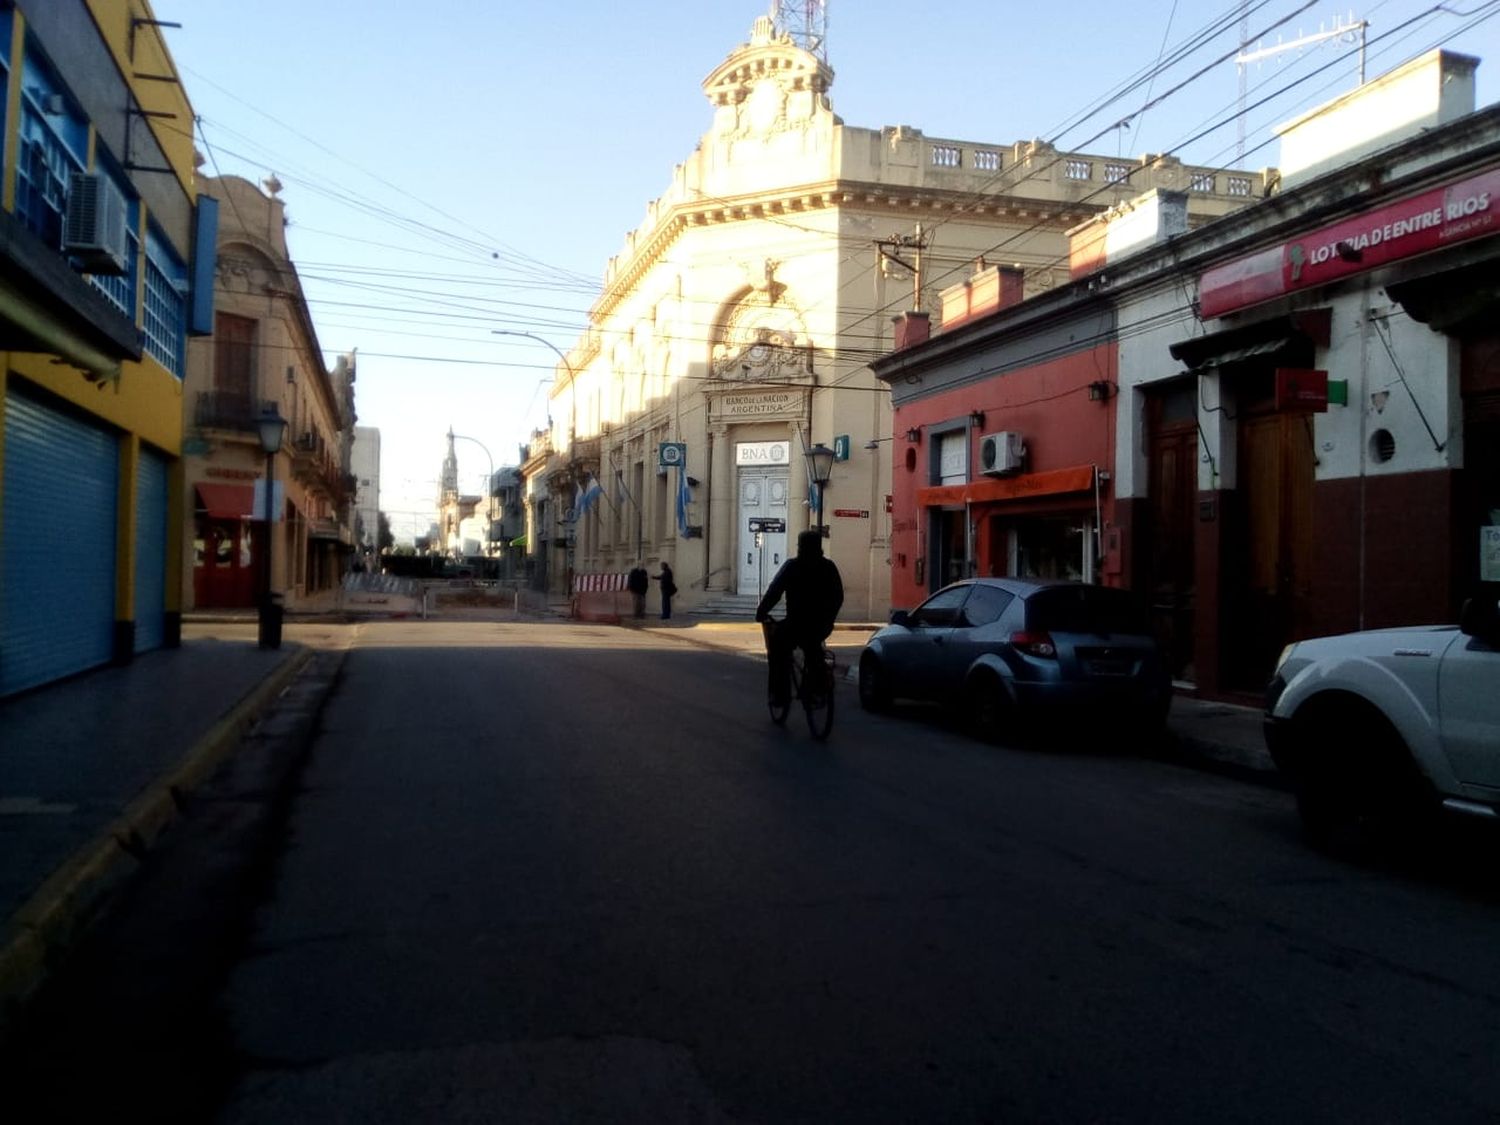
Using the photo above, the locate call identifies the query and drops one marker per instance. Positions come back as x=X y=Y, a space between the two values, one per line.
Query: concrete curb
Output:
x=40 y=933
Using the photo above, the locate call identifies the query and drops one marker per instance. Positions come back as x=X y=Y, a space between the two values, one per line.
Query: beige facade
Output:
x=742 y=314
x=264 y=353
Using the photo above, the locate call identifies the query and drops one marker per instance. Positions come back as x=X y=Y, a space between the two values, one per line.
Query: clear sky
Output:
x=460 y=166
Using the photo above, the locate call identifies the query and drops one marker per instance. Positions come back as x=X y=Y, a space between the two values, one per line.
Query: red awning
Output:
x=1079 y=478
x=226 y=501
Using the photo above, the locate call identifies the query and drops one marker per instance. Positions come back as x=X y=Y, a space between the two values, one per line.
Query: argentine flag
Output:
x=588 y=495
x=683 y=497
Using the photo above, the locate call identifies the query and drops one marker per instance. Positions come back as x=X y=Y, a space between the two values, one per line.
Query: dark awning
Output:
x=226 y=501
x=1452 y=302
x=1275 y=338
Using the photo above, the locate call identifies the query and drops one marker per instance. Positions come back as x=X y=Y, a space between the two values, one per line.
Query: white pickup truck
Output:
x=1378 y=727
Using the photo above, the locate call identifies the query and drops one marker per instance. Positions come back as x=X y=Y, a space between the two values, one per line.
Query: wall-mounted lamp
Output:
x=914 y=434
x=1379 y=399
x=1099 y=390
x=977 y=417
x=692 y=482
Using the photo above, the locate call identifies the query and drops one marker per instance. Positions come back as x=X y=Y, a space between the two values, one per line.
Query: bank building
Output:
x=735 y=328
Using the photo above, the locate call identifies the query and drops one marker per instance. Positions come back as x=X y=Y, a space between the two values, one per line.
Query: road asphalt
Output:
x=93 y=769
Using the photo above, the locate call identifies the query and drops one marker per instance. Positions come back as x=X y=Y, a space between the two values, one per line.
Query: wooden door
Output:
x=1270 y=606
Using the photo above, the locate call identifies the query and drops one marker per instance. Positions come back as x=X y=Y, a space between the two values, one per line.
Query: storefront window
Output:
x=1055 y=547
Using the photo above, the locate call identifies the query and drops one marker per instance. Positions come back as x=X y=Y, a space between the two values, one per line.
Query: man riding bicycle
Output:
x=814 y=593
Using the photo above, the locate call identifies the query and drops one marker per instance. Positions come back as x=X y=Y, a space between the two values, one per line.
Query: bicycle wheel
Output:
x=817 y=699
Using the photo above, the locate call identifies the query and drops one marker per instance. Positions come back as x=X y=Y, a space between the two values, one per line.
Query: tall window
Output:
x=53 y=145
x=234 y=358
x=166 y=304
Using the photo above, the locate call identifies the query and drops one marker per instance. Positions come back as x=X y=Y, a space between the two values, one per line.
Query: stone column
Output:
x=722 y=498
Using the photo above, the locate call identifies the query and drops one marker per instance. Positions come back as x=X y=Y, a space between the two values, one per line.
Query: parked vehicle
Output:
x=1006 y=650
x=1376 y=728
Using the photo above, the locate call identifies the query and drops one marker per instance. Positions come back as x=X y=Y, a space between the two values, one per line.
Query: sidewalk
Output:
x=91 y=769
x=88 y=772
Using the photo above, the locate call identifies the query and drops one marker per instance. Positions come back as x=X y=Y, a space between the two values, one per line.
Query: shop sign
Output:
x=759 y=406
x=762 y=453
x=218 y=473
x=1456 y=212
x=759 y=524
x=853 y=513
x=670 y=454
x=1301 y=390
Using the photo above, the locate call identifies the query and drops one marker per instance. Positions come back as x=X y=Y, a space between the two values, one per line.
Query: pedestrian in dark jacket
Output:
x=814 y=594
x=668 y=588
x=637 y=583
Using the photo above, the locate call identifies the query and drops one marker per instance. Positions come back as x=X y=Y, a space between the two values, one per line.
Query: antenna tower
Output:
x=1350 y=30
x=806 y=21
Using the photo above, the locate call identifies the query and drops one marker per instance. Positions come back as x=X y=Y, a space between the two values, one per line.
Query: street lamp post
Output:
x=272 y=427
x=820 y=468
x=572 y=425
x=489 y=486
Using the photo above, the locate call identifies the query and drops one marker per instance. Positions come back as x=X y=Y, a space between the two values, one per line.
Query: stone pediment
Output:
x=767 y=85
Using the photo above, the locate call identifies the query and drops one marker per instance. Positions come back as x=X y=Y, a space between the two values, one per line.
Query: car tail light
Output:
x=1034 y=644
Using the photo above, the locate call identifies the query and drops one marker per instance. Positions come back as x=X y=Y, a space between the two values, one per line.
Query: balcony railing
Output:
x=225 y=410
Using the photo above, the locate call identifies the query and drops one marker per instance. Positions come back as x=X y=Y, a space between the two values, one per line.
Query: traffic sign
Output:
x=759 y=524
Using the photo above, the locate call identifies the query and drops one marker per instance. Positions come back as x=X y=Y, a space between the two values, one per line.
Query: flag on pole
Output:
x=683 y=498
x=588 y=495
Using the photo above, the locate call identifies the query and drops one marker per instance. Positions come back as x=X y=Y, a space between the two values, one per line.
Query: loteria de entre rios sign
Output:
x=1439 y=217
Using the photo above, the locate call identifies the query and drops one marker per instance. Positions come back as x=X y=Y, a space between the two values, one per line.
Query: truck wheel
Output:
x=1357 y=787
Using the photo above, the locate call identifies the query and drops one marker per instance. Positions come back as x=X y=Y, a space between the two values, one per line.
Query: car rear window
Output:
x=1086 y=609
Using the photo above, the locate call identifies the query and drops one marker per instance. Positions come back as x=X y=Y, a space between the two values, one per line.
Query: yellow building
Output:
x=99 y=283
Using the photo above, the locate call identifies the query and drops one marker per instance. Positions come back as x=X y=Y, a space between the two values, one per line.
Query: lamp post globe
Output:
x=820 y=467
x=271 y=427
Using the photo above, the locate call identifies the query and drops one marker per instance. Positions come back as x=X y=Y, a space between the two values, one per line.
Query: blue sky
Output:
x=468 y=165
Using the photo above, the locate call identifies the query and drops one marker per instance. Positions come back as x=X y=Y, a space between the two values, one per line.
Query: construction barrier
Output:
x=599 y=597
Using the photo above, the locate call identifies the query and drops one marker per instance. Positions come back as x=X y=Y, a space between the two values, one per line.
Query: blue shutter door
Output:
x=57 y=550
x=150 y=550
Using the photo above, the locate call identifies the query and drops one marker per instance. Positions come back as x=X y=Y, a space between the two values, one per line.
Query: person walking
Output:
x=814 y=594
x=637 y=583
x=668 y=588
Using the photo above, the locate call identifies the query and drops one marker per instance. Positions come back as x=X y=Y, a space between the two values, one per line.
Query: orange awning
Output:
x=226 y=501
x=1078 y=478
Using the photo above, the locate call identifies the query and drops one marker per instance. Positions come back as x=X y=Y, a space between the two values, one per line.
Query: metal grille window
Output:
x=1202 y=181
x=166 y=305
x=53 y=144
x=946 y=156
x=1116 y=173
x=1239 y=186
x=42 y=175
x=1078 y=170
x=986 y=160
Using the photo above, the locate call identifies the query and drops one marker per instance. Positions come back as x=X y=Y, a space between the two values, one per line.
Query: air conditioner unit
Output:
x=94 y=228
x=1001 y=453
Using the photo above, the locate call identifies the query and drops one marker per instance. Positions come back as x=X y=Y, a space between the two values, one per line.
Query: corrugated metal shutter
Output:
x=57 y=550
x=150 y=550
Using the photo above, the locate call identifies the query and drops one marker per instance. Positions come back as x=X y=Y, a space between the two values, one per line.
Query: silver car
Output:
x=1008 y=649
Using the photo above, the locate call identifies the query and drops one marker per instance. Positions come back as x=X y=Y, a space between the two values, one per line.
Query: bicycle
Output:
x=816 y=697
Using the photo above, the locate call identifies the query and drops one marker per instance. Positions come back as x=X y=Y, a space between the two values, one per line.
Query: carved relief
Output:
x=765 y=340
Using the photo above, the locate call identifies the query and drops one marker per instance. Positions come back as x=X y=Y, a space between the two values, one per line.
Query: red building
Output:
x=1004 y=428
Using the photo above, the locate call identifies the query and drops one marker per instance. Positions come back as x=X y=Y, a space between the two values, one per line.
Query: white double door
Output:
x=763 y=496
